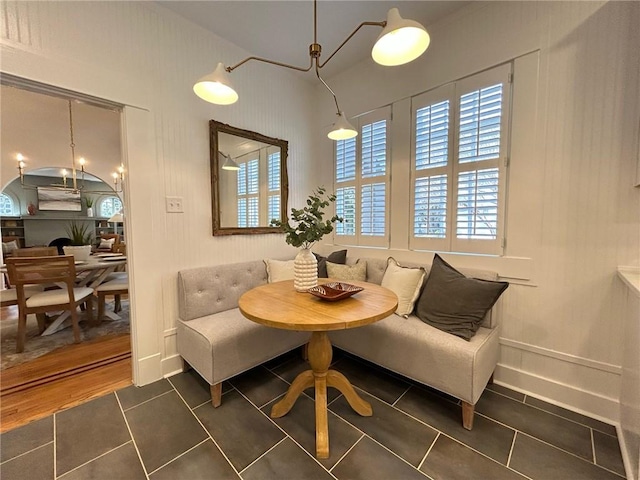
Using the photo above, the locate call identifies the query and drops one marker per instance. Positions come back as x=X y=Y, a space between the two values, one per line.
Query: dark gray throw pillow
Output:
x=454 y=303
x=336 y=257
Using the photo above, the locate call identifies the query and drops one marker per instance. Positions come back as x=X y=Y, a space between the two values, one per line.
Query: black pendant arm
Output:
x=376 y=24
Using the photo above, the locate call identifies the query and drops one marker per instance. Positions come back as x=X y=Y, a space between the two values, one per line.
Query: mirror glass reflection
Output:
x=249 y=180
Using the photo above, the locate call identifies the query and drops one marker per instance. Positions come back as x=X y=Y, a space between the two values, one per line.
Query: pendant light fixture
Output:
x=76 y=185
x=229 y=163
x=400 y=42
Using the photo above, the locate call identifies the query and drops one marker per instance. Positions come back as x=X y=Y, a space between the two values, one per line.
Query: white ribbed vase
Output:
x=305 y=270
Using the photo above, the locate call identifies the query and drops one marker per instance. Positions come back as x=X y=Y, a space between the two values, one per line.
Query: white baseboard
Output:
x=631 y=459
x=606 y=409
x=147 y=370
x=172 y=365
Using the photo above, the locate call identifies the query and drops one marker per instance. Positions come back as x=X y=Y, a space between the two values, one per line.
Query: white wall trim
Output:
x=148 y=369
x=169 y=332
x=597 y=406
x=565 y=357
x=172 y=365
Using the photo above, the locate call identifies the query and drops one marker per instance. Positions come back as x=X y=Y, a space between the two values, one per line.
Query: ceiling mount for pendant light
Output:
x=400 y=42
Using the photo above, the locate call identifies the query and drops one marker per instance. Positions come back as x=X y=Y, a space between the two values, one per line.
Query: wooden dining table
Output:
x=279 y=305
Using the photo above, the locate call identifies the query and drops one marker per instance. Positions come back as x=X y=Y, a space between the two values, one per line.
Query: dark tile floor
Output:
x=169 y=430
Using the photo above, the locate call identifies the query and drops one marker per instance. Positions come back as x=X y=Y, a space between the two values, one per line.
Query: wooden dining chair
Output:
x=117 y=288
x=35 y=252
x=27 y=271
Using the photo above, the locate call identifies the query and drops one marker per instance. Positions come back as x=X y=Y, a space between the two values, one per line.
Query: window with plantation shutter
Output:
x=248 y=191
x=273 y=207
x=362 y=182
x=273 y=171
x=459 y=158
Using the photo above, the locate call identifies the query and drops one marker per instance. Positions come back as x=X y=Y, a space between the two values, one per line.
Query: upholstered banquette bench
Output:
x=219 y=342
x=426 y=354
x=213 y=336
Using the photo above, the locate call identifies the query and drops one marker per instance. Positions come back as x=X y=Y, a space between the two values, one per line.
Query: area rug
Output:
x=36 y=345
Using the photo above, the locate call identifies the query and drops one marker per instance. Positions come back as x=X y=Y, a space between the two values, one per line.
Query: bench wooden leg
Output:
x=216 y=394
x=467 y=415
x=304 y=351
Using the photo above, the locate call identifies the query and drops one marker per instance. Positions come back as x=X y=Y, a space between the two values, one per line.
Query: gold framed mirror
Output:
x=249 y=182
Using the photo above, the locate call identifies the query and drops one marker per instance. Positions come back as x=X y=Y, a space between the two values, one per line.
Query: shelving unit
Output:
x=38 y=230
x=12 y=227
x=102 y=226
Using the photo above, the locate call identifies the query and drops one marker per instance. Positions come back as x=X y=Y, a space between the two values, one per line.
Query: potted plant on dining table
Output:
x=309 y=227
x=81 y=236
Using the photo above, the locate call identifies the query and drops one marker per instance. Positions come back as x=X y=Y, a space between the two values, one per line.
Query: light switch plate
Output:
x=174 y=205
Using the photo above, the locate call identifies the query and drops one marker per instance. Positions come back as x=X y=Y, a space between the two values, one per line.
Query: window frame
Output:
x=358 y=238
x=12 y=204
x=105 y=199
x=453 y=92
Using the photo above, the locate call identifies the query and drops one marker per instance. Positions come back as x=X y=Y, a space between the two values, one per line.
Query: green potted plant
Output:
x=309 y=226
x=81 y=235
x=89 y=201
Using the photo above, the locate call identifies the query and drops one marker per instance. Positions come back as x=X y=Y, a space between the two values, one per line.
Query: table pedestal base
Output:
x=321 y=377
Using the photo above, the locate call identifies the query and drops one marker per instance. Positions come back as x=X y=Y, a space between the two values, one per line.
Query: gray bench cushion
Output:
x=225 y=344
x=424 y=353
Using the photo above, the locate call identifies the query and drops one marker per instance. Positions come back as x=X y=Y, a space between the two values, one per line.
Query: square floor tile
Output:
x=37 y=464
x=540 y=461
x=451 y=460
x=23 y=439
x=400 y=433
x=549 y=428
x=87 y=431
x=240 y=430
x=608 y=452
x=373 y=379
x=203 y=461
x=259 y=385
x=163 y=428
x=132 y=395
x=192 y=387
x=576 y=417
x=121 y=463
x=286 y=461
x=300 y=424
x=487 y=436
x=369 y=461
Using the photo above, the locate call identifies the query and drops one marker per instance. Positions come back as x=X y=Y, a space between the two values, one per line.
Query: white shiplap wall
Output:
x=573 y=214
x=139 y=54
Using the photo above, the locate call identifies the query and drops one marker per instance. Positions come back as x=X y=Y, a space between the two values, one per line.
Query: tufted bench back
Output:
x=204 y=291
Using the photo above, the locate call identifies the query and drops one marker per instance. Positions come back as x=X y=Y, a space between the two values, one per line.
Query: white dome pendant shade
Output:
x=216 y=87
x=342 y=129
x=400 y=42
x=229 y=163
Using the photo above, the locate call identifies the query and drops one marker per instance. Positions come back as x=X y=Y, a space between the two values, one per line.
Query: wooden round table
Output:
x=278 y=305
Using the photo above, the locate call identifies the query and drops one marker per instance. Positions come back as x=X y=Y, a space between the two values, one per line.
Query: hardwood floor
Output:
x=64 y=378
